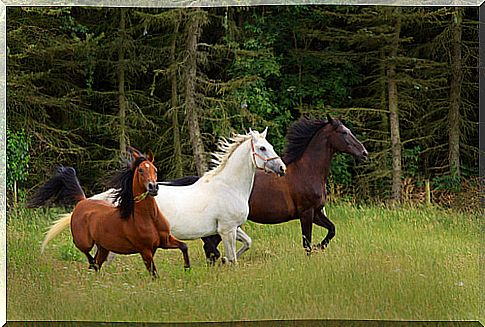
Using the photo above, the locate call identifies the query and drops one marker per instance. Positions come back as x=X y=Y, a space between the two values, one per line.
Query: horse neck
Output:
x=146 y=209
x=316 y=159
x=239 y=169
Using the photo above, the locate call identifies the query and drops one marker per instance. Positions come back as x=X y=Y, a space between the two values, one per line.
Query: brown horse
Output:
x=135 y=226
x=300 y=194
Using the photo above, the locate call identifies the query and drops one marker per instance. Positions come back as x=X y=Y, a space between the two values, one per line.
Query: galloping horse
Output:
x=136 y=226
x=300 y=194
x=218 y=201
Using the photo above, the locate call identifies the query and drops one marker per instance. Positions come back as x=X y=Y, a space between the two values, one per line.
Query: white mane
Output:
x=225 y=149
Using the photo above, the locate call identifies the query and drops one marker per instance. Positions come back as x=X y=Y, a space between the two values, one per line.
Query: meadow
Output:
x=411 y=263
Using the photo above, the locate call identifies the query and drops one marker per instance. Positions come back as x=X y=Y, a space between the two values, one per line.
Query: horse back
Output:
x=89 y=214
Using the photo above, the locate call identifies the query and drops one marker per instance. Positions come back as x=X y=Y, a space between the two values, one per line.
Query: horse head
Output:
x=264 y=156
x=342 y=139
x=145 y=172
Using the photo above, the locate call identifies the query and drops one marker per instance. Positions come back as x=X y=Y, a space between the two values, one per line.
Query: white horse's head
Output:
x=264 y=156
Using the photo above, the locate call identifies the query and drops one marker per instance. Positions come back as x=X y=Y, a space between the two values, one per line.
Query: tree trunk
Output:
x=384 y=125
x=15 y=192
x=455 y=94
x=177 y=146
x=394 y=110
x=121 y=83
x=193 y=33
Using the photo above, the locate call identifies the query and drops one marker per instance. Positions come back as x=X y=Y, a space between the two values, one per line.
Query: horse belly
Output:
x=189 y=216
x=113 y=237
x=271 y=208
x=193 y=223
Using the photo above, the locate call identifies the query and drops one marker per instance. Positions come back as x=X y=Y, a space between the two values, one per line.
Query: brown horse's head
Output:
x=145 y=172
x=134 y=182
x=342 y=140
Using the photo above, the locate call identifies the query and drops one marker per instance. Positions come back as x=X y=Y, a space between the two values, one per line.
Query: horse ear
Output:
x=133 y=152
x=329 y=118
x=265 y=132
x=150 y=156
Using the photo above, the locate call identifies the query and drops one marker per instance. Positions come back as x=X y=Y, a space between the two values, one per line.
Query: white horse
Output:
x=219 y=201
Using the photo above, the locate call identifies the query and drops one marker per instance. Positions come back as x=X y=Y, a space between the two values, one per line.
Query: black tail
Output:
x=184 y=181
x=62 y=189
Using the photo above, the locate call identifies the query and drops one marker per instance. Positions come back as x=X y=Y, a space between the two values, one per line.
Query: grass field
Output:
x=406 y=264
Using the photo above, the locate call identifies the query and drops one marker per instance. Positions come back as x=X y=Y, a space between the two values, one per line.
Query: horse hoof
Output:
x=94 y=266
x=224 y=260
x=187 y=269
x=210 y=262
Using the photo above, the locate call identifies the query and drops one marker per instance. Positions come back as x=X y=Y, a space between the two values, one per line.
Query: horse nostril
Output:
x=282 y=170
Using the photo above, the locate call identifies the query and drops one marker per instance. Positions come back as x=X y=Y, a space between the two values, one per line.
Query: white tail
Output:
x=57 y=227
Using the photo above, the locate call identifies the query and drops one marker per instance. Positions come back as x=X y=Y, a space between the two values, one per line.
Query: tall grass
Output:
x=384 y=263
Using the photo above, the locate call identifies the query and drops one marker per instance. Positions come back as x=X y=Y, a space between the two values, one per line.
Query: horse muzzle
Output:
x=278 y=168
x=364 y=156
x=153 y=189
x=282 y=171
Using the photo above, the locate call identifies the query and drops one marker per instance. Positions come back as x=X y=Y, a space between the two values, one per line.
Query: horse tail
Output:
x=57 y=227
x=63 y=188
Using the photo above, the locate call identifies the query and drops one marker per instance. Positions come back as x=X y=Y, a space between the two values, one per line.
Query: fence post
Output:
x=428 y=192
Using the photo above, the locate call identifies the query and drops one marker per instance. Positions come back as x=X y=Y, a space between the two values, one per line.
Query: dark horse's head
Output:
x=337 y=136
x=138 y=176
x=342 y=140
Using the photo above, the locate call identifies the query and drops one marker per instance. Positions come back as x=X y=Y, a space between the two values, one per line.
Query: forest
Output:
x=82 y=83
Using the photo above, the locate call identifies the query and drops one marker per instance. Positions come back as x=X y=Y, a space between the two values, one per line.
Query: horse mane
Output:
x=122 y=182
x=183 y=181
x=299 y=136
x=225 y=149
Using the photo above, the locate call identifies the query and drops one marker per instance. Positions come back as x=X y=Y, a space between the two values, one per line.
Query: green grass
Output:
x=405 y=264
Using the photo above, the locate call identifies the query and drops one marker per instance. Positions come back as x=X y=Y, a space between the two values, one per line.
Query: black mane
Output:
x=122 y=182
x=183 y=181
x=299 y=136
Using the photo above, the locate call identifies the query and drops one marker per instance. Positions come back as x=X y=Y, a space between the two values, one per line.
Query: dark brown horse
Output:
x=300 y=194
x=135 y=226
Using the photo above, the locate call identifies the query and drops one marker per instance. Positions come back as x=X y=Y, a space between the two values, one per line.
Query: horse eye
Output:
x=140 y=170
x=262 y=148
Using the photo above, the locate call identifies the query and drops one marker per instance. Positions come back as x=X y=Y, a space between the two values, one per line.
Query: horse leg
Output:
x=85 y=245
x=92 y=262
x=245 y=239
x=229 y=241
x=147 y=255
x=100 y=257
x=111 y=255
x=306 y=221
x=171 y=242
x=320 y=218
x=210 y=248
